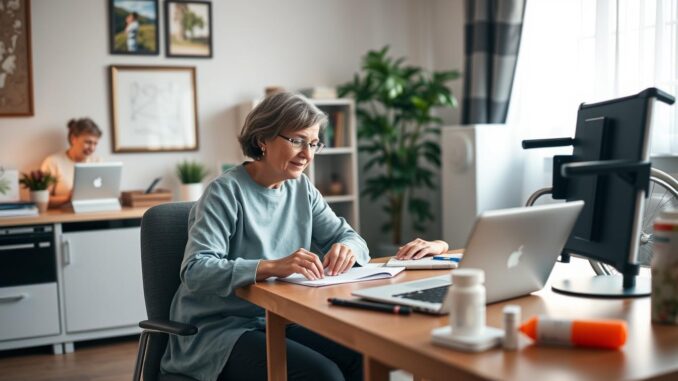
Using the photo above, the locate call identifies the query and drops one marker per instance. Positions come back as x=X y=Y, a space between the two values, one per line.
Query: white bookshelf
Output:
x=339 y=158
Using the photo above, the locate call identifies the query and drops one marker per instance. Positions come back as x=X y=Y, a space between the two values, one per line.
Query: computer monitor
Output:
x=609 y=170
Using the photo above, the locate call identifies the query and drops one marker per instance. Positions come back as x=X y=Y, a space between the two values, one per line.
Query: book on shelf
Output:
x=319 y=92
x=339 y=129
x=19 y=208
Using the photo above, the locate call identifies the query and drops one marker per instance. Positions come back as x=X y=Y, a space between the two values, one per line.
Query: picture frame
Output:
x=154 y=108
x=16 y=66
x=9 y=184
x=134 y=27
x=194 y=41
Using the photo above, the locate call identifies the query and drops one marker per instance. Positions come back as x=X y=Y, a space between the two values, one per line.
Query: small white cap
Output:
x=511 y=312
x=468 y=277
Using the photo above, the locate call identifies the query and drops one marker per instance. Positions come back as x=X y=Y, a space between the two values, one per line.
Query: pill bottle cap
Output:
x=511 y=312
x=468 y=277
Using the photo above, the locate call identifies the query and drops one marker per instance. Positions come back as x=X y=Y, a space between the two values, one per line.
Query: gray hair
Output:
x=277 y=112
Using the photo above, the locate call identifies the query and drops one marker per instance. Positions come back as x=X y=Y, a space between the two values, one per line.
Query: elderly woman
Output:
x=83 y=137
x=260 y=220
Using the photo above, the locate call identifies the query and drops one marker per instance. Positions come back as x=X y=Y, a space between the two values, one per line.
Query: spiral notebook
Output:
x=356 y=274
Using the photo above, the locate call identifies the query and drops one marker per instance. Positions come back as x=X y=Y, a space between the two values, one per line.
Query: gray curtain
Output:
x=492 y=39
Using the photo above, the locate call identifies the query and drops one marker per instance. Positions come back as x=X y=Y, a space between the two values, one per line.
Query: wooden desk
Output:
x=403 y=342
x=67 y=215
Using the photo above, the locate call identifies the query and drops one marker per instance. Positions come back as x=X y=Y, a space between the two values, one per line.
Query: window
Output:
x=575 y=51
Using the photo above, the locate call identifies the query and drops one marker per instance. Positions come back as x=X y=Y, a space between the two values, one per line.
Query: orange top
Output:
x=608 y=334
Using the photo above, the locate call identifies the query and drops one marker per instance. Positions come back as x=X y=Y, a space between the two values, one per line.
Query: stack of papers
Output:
x=443 y=261
x=13 y=209
x=355 y=274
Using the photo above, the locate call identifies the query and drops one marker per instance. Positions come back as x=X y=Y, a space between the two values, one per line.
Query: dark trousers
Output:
x=309 y=357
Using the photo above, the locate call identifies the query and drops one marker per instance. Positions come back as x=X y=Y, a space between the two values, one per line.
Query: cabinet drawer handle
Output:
x=18 y=246
x=66 y=251
x=11 y=299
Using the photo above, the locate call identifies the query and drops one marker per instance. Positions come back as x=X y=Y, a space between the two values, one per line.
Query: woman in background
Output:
x=83 y=137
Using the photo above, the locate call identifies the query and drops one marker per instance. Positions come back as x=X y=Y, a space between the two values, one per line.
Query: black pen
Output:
x=390 y=308
x=153 y=184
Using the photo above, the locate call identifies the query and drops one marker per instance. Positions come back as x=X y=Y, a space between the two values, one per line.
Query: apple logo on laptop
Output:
x=514 y=258
x=98 y=182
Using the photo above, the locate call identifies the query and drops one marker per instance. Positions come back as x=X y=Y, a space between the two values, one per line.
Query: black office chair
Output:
x=164 y=232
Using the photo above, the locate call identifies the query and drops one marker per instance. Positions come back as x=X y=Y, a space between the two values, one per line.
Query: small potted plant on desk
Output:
x=38 y=182
x=191 y=174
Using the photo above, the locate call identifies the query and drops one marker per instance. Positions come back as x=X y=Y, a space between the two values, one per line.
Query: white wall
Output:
x=257 y=43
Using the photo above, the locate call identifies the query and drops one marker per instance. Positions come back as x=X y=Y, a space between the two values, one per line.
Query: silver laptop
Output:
x=96 y=187
x=517 y=248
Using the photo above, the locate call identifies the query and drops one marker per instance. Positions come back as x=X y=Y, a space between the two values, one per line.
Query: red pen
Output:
x=382 y=307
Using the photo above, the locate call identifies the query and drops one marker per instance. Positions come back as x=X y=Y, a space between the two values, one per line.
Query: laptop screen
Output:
x=96 y=181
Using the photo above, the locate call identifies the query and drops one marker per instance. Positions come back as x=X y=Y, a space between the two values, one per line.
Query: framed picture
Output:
x=16 y=72
x=188 y=29
x=134 y=27
x=154 y=108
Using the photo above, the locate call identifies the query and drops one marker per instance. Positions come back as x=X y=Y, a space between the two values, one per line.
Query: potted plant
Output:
x=38 y=182
x=191 y=174
x=397 y=128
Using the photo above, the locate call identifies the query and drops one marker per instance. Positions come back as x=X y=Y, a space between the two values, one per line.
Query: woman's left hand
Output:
x=339 y=259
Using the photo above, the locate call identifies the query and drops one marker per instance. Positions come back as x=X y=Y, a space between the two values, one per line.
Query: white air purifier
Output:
x=481 y=170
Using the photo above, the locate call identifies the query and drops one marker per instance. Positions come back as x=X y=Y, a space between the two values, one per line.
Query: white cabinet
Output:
x=29 y=311
x=102 y=280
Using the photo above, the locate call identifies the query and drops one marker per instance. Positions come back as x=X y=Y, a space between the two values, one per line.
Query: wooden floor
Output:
x=101 y=360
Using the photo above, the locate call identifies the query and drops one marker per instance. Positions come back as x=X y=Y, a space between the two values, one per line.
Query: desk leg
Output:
x=276 y=351
x=375 y=370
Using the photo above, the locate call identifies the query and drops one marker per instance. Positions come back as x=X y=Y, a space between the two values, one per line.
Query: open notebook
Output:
x=355 y=274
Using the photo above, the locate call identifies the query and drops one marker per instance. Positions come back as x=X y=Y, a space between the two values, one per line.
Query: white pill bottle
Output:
x=467 y=299
x=665 y=268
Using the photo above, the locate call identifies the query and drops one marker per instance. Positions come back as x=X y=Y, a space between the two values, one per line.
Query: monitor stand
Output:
x=96 y=205
x=604 y=286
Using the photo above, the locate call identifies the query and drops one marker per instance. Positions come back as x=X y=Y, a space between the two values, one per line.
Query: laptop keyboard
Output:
x=431 y=295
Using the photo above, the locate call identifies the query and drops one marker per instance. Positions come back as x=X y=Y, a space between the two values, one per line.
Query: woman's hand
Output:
x=301 y=261
x=339 y=259
x=420 y=248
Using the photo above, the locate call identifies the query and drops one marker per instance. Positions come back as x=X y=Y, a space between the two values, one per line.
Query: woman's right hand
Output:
x=301 y=261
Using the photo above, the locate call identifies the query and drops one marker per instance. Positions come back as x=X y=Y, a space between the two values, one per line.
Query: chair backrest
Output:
x=164 y=232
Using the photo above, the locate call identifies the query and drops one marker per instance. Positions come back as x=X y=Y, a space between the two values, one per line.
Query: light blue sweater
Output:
x=234 y=225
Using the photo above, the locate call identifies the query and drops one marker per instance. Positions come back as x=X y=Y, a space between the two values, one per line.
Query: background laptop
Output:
x=517 y=248
x=96 y=187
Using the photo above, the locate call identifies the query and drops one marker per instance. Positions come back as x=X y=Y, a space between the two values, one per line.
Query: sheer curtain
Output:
x=575 y=51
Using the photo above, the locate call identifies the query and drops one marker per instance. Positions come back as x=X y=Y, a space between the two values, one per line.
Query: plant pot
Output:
x=41 y=199
x=190 y=192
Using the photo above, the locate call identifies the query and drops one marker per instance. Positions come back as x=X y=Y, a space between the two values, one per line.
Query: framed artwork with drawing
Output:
x=188 y=29
x=16 y=72
x=134 y=27
x=154 y=108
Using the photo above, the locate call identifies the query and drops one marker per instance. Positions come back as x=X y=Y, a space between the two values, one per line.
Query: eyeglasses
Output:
x=299 y=144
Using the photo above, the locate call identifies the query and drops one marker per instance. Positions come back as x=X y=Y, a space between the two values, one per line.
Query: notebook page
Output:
x=355 y=274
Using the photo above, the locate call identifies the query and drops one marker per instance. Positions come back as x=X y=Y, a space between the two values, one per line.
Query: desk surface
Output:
x=403 y=342
x=67 y=215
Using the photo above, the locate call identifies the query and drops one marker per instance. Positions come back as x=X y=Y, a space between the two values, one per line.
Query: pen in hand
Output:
x=381 y=307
